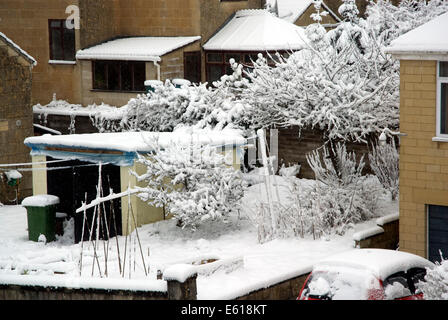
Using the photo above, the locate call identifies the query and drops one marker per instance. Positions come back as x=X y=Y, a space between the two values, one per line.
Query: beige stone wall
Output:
x=98 y=21
x=423 y=163
x=16 y=119
x=26 y=23
x=158 y=18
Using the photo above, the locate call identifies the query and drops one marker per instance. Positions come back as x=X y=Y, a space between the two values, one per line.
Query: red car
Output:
x=366 y=274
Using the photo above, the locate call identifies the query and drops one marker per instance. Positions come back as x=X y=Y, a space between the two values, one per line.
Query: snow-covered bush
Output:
x=435 y=286
x=193 y=183
x=342 y=196
x=384 y=161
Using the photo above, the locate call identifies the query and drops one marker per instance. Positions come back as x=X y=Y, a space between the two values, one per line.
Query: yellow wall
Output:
x=39 y=175
x=423 y=163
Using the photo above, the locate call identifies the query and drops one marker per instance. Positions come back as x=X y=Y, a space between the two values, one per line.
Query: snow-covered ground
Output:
x=243 y=264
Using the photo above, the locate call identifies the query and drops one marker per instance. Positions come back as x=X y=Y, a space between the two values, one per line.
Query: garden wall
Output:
x=384 y=236
x=293 y=146
x=26 y=287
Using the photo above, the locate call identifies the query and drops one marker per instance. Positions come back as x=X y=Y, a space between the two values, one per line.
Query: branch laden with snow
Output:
x=193 y=183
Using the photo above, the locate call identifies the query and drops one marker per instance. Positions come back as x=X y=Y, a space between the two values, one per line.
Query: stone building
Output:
x=423 y=55
x=50 y=32
x=16 y=118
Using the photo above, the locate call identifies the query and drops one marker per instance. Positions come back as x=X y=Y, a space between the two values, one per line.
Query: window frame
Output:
x=224 y=64
x=62 y=30
x=118 y=63
x=440 y=80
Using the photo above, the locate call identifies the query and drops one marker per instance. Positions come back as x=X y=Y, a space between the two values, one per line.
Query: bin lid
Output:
x=41 y=200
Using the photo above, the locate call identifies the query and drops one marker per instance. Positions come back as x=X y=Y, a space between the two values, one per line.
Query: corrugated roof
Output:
x=135 y=48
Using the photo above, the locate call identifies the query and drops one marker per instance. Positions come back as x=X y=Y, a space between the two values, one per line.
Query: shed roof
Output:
x=257 y=30
x=17 y=49
x=425 y=40
x=120 y=148
x=135 y=48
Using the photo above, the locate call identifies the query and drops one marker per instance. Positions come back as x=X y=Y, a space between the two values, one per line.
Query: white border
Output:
x=440 y=137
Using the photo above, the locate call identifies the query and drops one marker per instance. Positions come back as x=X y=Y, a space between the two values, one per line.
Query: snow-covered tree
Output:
x=192 y=182
x=435 y=286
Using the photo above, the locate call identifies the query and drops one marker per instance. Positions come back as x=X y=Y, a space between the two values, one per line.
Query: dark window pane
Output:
x=214 y=57
x=139 y=76
x=444 y=109
x=113 y=76
x=100 y=73
x=229 y=70
x=126 y=76
x=192 y=66
x=56 y=23
x=57 y=52
x=248 y=58
x=443 y=69
x=235 y=56
x=214 y=72
x=69 y=44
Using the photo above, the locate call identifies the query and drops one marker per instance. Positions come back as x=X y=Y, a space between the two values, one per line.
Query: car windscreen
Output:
x=340 y=284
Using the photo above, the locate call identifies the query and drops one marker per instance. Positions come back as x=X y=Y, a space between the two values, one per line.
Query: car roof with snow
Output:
x=381 y=262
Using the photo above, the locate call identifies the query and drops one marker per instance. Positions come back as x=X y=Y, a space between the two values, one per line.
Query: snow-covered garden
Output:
x=260 y=227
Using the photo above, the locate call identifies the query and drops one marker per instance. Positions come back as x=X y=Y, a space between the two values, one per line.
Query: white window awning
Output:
x=257 y=30
x=135 y=48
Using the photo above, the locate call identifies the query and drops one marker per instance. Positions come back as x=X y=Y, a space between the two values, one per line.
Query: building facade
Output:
x=423 y=55
x=16 y=119
x=41 y=28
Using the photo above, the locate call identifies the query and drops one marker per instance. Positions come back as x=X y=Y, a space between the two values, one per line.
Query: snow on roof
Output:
x=19 y=50
x=138 y=141
x=429 y=38
x=135 y=48
x=381 y=262
x=257 y=30
x=291 y=10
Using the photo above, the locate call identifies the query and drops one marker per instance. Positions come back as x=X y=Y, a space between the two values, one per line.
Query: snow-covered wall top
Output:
x=138 y=141
x=257 y=30
x=426 y=39
x=18 y=49
x=135 y=48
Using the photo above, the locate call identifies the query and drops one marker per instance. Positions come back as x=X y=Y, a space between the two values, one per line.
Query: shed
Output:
x=118 y=152
x=246 y=34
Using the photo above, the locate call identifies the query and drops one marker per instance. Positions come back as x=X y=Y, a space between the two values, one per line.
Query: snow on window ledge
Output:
x=61 y=62
x=440 y=139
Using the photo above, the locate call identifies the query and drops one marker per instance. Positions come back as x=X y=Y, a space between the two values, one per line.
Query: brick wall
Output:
x=292 y=148
x=423 y=162
x=16 y=119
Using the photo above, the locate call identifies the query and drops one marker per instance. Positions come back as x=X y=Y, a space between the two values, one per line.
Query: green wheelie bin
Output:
x=41 y=215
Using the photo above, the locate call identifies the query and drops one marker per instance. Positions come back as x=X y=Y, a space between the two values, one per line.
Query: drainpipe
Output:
x=157 y=65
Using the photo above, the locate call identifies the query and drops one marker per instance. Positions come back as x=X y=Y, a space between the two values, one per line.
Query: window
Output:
x=217 y=63
x=119 y=75
x=397 y=287
x=62 y=41
x=192 y=66
x=442 y=99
